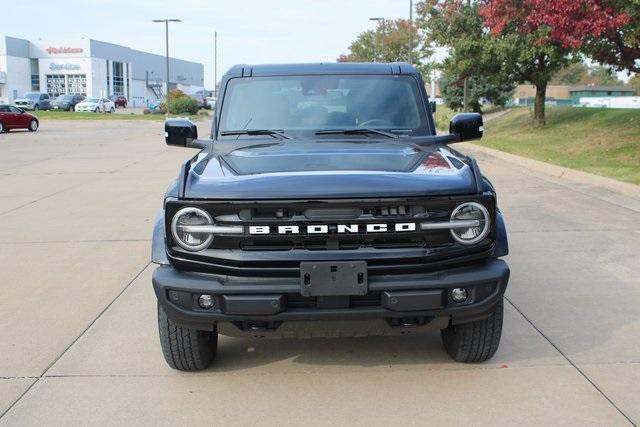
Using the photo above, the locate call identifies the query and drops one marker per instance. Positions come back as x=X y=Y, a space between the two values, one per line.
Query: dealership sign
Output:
x=56 y=50
x=58 y=67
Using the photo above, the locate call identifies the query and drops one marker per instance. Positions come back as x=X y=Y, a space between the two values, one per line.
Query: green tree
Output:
x=472 y=54
x=572 y=74
x=601 y=75
x=390 y=41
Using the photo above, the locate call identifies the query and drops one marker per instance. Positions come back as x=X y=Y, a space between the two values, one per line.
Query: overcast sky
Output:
x=249 y=31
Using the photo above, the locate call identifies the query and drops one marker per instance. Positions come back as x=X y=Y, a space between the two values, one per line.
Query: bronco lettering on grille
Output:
x=400 y=227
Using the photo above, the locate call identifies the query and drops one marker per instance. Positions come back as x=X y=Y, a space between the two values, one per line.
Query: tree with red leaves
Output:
x=541 y=36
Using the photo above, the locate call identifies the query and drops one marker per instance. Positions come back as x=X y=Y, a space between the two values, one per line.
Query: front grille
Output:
x=279 y=255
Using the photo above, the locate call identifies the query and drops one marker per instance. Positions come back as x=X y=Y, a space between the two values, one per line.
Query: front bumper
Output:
x=271 y=301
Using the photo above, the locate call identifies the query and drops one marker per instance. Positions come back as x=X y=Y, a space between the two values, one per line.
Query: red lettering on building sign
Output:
x=51 y=50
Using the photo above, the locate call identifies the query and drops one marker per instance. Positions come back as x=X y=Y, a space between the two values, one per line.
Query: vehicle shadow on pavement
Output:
x=521 y=345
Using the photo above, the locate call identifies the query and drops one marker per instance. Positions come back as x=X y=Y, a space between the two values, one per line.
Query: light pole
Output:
x=379 y=20
x=166 y=34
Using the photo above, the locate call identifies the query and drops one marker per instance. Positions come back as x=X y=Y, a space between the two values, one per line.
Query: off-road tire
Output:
x=186 y=349
x=474 y=341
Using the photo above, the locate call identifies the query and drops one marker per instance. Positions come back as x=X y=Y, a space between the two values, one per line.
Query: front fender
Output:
x=502 y=244
x=158 y=242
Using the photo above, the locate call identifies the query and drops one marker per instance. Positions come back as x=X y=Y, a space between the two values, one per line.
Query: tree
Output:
x=389 y=42
x=472 y=54
x=634 y=82
x=541 y=37
x=619 y=45
x=572 y=74
x=600 y=75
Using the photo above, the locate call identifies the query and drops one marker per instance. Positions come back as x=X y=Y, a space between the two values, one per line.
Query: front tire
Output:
x=33 y=125
x=477 y=341
x=36 y=107
x=186 y=349
x=1 y=127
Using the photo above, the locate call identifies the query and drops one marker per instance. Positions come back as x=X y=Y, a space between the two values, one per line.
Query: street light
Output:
x=379 y=20
x=166 y=33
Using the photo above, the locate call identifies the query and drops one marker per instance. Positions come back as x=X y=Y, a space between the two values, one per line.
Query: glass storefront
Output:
x=63 y=84
x=118 y=78
x=56 y=84
x=77 y=84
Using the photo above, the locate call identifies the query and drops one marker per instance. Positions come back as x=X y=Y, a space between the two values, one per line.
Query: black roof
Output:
x=322 y=68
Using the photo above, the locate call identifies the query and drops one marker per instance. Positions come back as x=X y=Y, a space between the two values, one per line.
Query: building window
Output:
x=35 y=75
x=77 y=84
x=56 y=84
x=118 y=78
x=108 y=82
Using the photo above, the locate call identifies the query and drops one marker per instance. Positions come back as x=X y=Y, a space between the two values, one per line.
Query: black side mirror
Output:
x=182 y=133
x=433 y=106
x=466 y=126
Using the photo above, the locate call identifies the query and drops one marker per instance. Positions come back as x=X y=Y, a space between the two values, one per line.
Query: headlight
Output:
x=185 y=227
x=477 y=217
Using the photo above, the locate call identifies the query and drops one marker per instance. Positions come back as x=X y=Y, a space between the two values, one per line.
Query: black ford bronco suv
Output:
x=323 y=198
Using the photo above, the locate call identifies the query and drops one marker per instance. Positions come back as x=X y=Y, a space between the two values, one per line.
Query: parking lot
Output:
x=79 y=338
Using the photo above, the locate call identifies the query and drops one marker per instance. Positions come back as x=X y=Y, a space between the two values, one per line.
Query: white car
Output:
x=96 y=105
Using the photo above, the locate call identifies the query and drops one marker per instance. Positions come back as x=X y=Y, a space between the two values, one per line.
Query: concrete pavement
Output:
x=79 y=340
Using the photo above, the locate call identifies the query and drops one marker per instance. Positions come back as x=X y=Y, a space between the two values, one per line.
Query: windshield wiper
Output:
x=355 y=131
x=271 y=132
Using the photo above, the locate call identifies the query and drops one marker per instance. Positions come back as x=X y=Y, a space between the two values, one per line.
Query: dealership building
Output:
x=91 y=68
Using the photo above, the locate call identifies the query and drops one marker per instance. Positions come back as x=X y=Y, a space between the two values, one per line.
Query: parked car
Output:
x=34 y=101
x=119 y=101
x=12 y=117
x=96 y=105
x=328 y=197
x=66 y=102
x=210 y=103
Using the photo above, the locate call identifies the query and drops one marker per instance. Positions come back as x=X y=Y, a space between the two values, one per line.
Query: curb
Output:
x=559 y=172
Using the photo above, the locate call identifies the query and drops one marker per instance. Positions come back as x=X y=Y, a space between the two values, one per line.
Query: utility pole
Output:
x=410 y=59
x=166 y=33
x=464 y=95
x=215 y=65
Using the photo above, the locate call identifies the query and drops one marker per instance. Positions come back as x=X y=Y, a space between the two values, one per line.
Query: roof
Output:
x=322 y=68
x=601 y=89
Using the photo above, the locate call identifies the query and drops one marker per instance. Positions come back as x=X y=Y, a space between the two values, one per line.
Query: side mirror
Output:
x=182 y=133
x=466 y=126
x=433 y=106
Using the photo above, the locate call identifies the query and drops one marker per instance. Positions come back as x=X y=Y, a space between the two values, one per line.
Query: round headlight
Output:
x=476 y=214
x=184 y=228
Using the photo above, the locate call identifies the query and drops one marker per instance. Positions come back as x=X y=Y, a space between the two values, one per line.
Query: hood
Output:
x=323 y=170
x=27 y=100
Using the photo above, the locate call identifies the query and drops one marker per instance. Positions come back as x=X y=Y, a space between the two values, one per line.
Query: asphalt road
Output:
x=78 y=337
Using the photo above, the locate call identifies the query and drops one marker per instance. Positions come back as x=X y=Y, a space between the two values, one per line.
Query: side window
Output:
x=4 y=109
x=12 y=109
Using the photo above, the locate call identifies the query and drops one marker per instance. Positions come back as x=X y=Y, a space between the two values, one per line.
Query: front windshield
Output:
x=306 y=104
x=96 y=100
x=64 y=98
x=32 y=95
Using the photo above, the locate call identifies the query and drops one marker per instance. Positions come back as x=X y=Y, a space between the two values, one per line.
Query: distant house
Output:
x=525 y=95
x=577 y=92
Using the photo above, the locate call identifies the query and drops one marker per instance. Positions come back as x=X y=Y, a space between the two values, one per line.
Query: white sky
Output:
x=249 y=31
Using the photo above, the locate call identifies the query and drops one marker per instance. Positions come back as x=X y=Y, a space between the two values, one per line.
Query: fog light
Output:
x=206 y=301
x=459 y=295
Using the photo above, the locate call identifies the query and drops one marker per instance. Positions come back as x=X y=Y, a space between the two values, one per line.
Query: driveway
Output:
x=79 y=342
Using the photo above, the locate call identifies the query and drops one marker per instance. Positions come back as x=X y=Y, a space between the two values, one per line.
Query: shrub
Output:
x=183 y=105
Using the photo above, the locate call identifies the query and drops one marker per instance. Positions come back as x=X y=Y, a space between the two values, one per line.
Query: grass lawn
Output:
x=600 y=141
x=71 y=115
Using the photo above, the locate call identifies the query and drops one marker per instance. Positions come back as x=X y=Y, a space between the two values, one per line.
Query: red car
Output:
x=14 y=118
x=119 y=100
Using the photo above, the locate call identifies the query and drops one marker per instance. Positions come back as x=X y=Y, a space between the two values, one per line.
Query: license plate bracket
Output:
x=329 y=278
